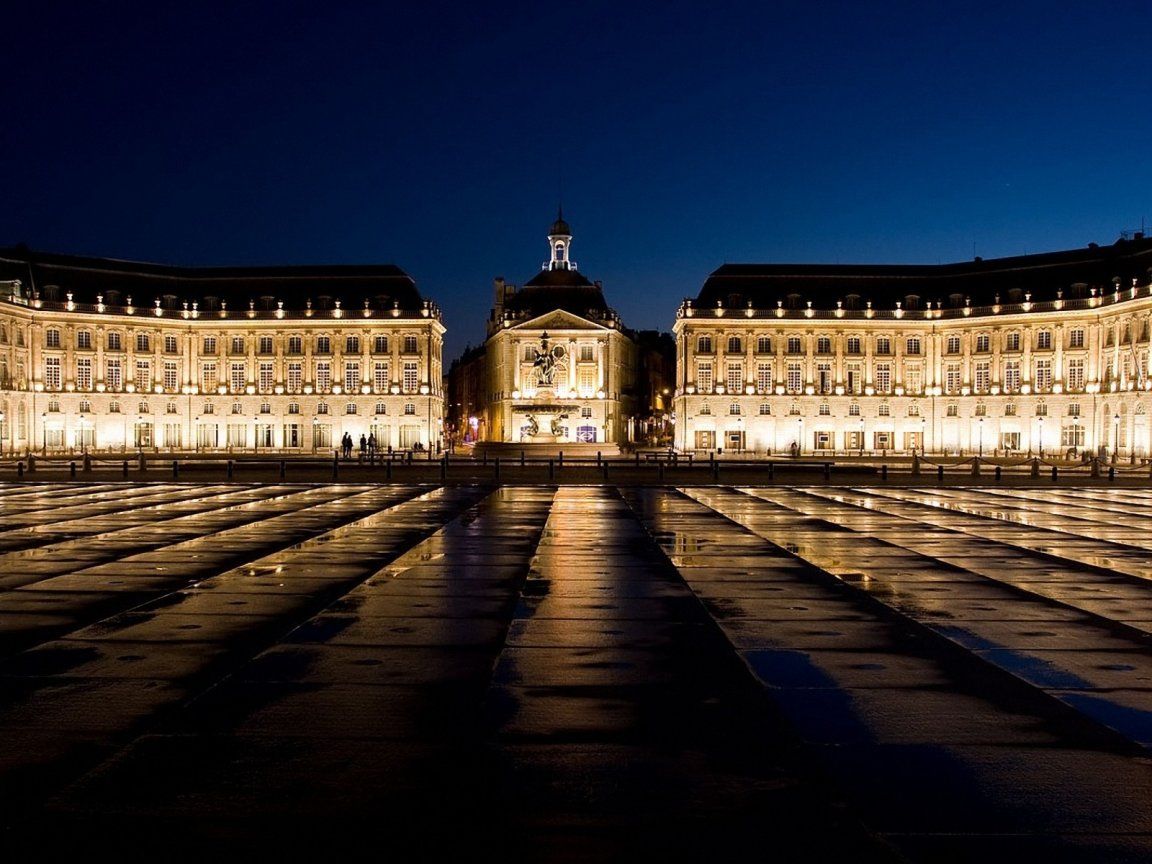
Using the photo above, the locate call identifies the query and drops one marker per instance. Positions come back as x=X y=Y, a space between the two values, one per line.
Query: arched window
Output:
x=381 y=408
x=734 y=408
x=142 y=408
x=237 y=408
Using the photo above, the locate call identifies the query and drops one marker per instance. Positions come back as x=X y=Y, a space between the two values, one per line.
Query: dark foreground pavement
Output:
x=575 y=673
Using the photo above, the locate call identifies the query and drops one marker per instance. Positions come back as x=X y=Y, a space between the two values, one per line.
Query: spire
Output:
x=560 y=243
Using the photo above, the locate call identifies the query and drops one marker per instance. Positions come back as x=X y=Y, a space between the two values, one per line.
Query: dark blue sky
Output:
x=434 y=135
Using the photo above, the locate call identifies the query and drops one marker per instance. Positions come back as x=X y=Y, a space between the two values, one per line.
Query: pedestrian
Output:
x=363 y=446
x=372 y=447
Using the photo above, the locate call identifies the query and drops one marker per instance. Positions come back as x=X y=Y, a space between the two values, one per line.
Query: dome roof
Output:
x=560 y=226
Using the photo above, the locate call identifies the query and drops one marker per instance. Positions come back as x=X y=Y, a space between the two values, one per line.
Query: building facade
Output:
x=560 y=368
x=1041 y=354
x=112 y=356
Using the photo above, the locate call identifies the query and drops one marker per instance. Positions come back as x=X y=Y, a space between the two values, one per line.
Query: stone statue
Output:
x=557 y=429
x=531 y=427
x=545 y=362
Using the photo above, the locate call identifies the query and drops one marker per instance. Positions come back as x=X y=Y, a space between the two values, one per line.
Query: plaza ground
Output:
x=578 y=672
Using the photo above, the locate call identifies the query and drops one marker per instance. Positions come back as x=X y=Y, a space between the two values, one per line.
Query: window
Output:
x=114 y=407
x=351 y=376
x=823 y=345
x=84 y=373
x=913 y=345
x=209 y=380
x=824 y=377
x=884 y=410
x=143 y=374
x=983 y=376
x=883 y=377
x=1043 y=376
x=350 y=408
x=322 y=408
x=84 y=340
x=586 y=353
x=237 y=377
x=703 y=346
x=952 y=344
x=265 y=345
x=1072 y=436
x=295 y=376
x=411 y=376
x=381 y=408
x=705 y=409
x=914 y=410
x=1076 y=374
x=113 y=374
x=764 y=345
x=735 y=345
x=1044 y=339
x=1073 y=409
x=825 y=409
x=209 y=408
x=1012 y=375
x=795 y=378
x=1041 y=409
x=586 y=380
x=734 y=380
x=85 y=406
x=952 y=378
x=170 y=345
x=1010 y=409
x=981 y=409
x=293 y=407
x=380 y=377
x=764 y=379
x=51 y=338
x=114 y=341
x=983 y=342
x=953 y=409
x=143 y=408
x=323 y=376
x=410 y=345
x=171 y=375
x=765 y=409
x=52 y=373
x=914 y=379
x=883 y=345
x=586 y=411
x=237 y=345
x=794 y=409
x=352 y=345
x=794 y=346
x=853 y=345
x=734 y=408
x=409 y=408
x=54 y=406
x=1012 y=342
x=170 y=408
x=237 y=408
x=143 y=342
x=854 y=409
x=209 y=345
x=266 y=377
x=380 y=345
x=323 y=345
x=295 y=345
x=855 y=378
x=1076 y=338
x=704 y=377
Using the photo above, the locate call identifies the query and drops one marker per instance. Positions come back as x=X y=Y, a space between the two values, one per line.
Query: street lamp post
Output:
x=923 y=436
x=861 y=436
x=799 y=436
x=1040 y=447
x=980 y=425
x=1115 y=435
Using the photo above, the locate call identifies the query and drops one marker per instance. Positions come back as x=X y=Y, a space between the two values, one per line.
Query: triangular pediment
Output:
x=558 y=319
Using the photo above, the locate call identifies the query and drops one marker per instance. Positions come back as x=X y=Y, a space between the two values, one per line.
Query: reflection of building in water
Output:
x=1039 y=353
x=105 y=355
x=560 y=367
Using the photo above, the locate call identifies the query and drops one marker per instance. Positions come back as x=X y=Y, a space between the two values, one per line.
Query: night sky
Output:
x=439 y=136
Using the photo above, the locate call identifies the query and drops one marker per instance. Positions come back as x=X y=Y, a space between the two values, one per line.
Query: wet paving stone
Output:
x=577 y=673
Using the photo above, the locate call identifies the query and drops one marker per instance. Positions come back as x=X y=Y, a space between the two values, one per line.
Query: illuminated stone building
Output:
x=1039 y=353
x=100 y=355
x=559 y=366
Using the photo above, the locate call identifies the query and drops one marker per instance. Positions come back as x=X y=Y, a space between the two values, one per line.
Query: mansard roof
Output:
x=558 y=289
x=1074 y=272
x=53 y=275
